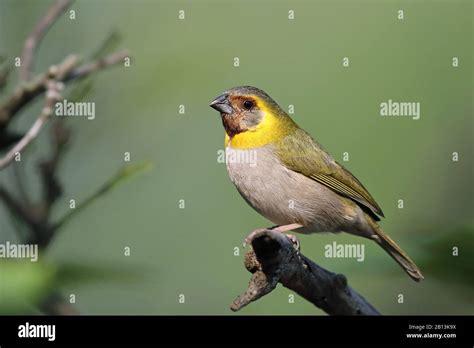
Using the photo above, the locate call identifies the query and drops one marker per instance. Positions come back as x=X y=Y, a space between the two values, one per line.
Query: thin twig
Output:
x=96 y=65
x=51 y=98
x=54 y=88
x=35 y=37
x=53 y=94
x=26 y=92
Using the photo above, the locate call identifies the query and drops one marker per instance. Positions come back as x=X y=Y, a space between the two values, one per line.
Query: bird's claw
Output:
x=295 y=241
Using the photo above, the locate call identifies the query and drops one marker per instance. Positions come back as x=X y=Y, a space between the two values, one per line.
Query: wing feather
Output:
x=301 y=153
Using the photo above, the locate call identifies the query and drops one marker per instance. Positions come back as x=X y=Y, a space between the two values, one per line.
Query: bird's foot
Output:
x=281 y=228
x=285 y=228
x=295 y=241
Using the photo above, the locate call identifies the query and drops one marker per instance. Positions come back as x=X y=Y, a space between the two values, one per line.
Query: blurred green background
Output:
x=190 y=251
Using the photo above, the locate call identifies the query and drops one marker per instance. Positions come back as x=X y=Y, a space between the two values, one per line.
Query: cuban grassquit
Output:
x=295 y=183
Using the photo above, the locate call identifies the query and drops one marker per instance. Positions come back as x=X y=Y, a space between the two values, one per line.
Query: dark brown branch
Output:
x=274 y=259
x=35 y=37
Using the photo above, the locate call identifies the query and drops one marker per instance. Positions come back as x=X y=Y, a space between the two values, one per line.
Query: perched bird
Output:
x=292 y=180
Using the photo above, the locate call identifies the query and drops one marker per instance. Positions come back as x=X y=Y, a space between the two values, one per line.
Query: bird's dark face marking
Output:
x=240 y=109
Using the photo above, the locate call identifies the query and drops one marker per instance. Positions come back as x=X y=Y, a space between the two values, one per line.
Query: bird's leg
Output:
x=278 y=228
x=285 y=228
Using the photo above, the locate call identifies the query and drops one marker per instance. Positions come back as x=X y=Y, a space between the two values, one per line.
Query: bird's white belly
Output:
x=282 y=195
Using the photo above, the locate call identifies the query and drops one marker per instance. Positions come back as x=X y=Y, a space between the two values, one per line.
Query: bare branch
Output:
x=26 y=92
x=274 y=259
x=35 y=37
x=37 y=216
x=32 y=132
x=52 y=96
x=96 y=65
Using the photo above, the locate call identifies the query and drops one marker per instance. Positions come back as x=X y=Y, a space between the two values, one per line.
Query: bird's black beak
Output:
x=221 y=104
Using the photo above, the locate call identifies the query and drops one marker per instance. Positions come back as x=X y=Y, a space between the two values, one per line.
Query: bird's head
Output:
x=251 y=118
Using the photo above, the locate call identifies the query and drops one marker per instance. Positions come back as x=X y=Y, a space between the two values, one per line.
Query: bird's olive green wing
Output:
x=301 y=153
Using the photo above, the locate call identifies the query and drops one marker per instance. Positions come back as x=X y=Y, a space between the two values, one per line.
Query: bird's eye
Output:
x=248 y=104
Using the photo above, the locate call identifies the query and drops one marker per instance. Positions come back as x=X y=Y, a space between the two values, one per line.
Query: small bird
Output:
x=291 y=180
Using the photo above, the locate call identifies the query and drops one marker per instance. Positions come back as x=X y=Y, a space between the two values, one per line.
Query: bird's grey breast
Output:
x=281 y=195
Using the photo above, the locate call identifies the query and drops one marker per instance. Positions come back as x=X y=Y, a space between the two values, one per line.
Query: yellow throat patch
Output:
x=270 y=129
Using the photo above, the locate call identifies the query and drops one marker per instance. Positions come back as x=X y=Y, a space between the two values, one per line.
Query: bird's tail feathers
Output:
x=397 y=253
